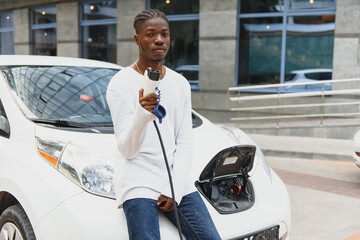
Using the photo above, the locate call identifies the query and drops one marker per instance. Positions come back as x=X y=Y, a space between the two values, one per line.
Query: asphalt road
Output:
x=325 y=197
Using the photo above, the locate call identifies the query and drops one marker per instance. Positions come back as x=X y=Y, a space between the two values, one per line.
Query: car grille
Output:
x=267 y=234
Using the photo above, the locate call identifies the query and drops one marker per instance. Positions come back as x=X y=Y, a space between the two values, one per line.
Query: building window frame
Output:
x=10 y=30
x=284 y=14
x=93 y=23
x=191 y=72
x=43 y=26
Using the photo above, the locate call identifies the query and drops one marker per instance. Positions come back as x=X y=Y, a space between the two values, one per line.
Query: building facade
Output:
x=216 y=44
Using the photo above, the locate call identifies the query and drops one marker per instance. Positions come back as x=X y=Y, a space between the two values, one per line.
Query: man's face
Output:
x=153 y=39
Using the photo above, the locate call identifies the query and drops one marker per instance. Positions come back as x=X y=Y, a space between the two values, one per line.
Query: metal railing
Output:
x=340 y=101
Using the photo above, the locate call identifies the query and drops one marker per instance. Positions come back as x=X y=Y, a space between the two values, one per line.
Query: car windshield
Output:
x=290 y=76
x=66 y=93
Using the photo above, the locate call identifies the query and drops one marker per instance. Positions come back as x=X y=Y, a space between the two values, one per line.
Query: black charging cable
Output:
x=170 y=179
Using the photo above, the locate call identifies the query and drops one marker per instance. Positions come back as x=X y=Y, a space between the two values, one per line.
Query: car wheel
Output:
x=15 y=224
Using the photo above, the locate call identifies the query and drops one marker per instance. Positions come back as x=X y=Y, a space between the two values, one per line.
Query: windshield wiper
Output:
x=62 y=123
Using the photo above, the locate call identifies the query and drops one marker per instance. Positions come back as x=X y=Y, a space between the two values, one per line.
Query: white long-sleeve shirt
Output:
x=140 y=169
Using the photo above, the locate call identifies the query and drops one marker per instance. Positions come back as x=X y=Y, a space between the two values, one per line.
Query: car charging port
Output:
x=225 y=182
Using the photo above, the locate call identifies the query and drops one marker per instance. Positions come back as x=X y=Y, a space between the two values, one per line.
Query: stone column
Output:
x=21 y=31
x=68 y=30
x=347 y=42
x=217 y=57
x=127 y=51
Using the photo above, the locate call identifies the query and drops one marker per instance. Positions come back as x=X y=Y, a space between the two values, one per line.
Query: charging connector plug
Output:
x=152 y=77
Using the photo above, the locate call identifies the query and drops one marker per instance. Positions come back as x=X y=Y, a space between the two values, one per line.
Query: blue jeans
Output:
x=142 y=216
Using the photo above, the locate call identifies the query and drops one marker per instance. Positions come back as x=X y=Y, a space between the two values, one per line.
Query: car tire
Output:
x=15 y=224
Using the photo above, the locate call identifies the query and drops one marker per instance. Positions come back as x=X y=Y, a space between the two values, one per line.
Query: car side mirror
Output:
x=4 y=127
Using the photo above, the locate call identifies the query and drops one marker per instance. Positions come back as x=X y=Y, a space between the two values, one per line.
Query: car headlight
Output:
x=243 y=138
x=83 y=165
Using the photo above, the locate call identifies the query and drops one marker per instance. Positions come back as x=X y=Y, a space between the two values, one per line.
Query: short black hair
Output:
x=146 y=15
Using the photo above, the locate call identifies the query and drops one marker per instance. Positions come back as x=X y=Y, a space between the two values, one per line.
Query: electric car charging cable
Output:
x=170 y=180
x=152 y=78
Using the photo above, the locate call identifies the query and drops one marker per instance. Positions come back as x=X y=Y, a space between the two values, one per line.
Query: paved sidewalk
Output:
x=325 y=197
x=323 y=183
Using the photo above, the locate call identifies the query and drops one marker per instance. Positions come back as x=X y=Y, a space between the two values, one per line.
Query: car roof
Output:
x=187 y=68
x=37 y=60
x=314 y=70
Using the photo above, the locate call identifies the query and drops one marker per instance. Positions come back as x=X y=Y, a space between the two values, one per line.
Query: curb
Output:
x=306 y=155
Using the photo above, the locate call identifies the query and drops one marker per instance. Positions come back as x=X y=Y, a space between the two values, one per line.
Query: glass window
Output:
x=256 y=6
x=283 y=46
x=309 y=42
x=183 y=55
x=44 y=31
x=260 y=50
x=306 y=4
x=174 y=7
x=6 y=33
x=76 y=94
x=184 y=44
x=98 y=30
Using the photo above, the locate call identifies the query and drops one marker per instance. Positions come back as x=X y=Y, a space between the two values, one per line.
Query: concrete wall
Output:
x=126 y=48
x=217 y=57
x=217 y=43
x=21 y=31
x=346 y=62
x=15 y=4
x=68 y=30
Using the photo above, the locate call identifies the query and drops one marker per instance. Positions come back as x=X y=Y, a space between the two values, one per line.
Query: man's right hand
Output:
x=165 y=204
x=148 y=102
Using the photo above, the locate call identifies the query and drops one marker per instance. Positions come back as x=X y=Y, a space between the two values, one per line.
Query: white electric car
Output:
x=58 y=155
x=356 y=148
x=317 y=76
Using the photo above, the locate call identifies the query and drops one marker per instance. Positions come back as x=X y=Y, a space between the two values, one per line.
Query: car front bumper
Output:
x=87 y=216
x=90 y=217
x=356 y=159
x=357 y=162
